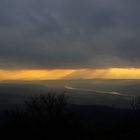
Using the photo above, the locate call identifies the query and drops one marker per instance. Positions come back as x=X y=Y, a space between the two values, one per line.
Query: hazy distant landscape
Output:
x=90 y=92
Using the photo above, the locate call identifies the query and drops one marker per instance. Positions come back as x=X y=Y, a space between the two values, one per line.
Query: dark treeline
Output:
x=51 y=117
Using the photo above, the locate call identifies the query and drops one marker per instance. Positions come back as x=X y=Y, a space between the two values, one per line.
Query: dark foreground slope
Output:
x=50 y=117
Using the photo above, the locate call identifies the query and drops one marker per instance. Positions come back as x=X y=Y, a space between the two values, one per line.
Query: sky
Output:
x=69 y=39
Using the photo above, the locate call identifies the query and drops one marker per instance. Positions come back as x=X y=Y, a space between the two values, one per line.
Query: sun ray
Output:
x=55 y=74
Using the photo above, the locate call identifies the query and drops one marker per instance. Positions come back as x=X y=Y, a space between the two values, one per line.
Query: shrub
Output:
x=44 y=117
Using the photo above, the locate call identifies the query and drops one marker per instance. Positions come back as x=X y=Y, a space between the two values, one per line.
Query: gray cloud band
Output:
x=69 y=33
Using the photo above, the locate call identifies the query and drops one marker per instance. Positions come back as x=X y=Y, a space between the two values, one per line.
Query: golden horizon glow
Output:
x=58 y=74
x=33 y=74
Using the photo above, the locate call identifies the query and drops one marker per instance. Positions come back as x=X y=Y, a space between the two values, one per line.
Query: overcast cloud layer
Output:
x=69 y=33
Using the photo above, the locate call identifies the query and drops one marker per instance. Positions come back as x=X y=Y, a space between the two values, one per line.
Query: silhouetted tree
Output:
x=44 y=117
x=135 y=104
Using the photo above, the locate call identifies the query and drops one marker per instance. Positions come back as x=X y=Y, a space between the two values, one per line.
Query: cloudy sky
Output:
x=69 y=34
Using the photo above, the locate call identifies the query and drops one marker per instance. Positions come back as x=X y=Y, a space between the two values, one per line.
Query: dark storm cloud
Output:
x=69 y=33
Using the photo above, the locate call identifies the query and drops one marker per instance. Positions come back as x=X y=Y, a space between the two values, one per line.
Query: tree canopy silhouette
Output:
x=46 y=117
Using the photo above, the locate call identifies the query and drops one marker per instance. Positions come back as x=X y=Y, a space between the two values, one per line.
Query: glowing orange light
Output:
x=111 y=73
x=33 y=74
